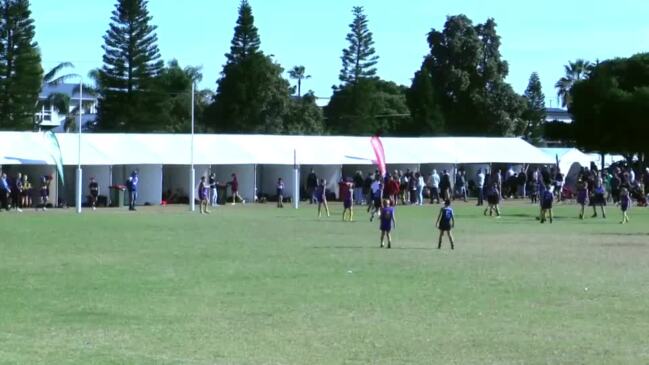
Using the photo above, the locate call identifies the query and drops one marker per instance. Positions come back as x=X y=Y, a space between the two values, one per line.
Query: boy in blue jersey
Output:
x=388 y=222
x=445 y=222
x=547 y=197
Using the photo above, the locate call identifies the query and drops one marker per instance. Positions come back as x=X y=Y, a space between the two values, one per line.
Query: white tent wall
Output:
x=268 y=175
x=149 y=182
x=102 y=174
x=246 y=175
x=331 y=173
x=349 y=171
x=176 y=178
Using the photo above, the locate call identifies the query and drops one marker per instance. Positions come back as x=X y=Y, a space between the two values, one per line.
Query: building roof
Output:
x=66 y=89
x=174 y=149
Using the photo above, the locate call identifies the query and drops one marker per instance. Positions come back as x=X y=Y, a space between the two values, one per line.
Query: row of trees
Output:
x=459 y=89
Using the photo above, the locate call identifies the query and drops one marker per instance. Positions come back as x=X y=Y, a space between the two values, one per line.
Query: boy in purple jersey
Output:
x=546 y=204
x=388 y=222
x=203 y=195
x=445 y=222
x=321 y=197
x=493 y=200
x=625 y=204
x=348 y=201
x=582 y=195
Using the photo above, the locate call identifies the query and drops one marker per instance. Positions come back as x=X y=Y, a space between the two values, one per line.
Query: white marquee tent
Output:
x=165 y=159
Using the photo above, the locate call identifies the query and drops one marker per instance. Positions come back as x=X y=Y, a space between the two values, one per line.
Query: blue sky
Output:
x=538 y=36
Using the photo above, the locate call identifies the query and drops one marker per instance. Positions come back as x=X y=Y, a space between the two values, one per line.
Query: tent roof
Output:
x=18 y=148
x=568 y=157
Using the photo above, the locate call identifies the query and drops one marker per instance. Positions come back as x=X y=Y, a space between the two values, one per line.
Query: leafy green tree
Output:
x=304 y=116
x=534 y=114
x=574 y=72
x=252 y=95
x=610 y=107
x=360 y=57
x=129 y=98
x=298 y=73
x=427 y=117
x=368 y=107
x=20 y=66
x=468 y=76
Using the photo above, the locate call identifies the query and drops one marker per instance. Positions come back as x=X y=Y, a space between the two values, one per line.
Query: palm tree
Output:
x=575 y=71
x=298 y=73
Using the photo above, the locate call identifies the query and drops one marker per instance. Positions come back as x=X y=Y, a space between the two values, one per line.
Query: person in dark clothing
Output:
x=132 y=184
x=358 y=188
x=445 y=186
x=94 y=192
x=311 y=185
x=5 y=191
x=17 y=193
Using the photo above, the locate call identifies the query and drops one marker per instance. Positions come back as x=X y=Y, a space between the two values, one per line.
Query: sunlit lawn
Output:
x=260 y=285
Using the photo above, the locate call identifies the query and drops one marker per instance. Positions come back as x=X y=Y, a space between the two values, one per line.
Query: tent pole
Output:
x=79 y=171
x=192 y=171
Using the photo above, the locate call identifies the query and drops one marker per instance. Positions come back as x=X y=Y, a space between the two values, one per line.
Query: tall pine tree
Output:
x=359 y=58
x=20 y=66
x=130 y=100
x=534 y=113
x=355 y=104
x=252 y=95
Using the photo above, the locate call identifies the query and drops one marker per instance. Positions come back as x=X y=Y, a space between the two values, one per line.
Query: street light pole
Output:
x=79 y=170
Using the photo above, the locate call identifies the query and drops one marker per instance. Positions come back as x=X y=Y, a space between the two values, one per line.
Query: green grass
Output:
x=259 y=285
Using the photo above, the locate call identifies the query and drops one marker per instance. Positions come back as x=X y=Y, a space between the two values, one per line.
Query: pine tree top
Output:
x=246 y=40
x=359 y=58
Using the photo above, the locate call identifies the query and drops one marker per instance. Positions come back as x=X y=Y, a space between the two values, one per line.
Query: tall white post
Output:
x=192 y=171
x=79 y=171
x=296 y=181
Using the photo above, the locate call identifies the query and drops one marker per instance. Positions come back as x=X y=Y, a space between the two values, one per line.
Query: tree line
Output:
x=460 y=88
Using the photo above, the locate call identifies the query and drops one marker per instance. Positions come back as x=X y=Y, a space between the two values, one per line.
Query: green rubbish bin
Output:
x=117 y=196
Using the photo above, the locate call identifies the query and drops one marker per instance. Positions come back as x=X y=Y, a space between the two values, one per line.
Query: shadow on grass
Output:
x=370 y=248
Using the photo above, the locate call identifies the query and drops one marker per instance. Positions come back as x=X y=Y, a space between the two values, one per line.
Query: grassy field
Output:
x=259 y=285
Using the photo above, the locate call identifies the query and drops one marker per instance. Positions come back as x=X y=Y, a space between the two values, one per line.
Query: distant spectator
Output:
x=434 y=187
x=445 y=186
x=480 y=182
x=421 y=184
x=358 y=187
x=132 y=185
x=17 y=192
x=5 y=192
x=280 y=193
x=234 y=186
x=311 y=185
x=93 y=187
x=214 y=190
x=45 y=191
x=203 y=195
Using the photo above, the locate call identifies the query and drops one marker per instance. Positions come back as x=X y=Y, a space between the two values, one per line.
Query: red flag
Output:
x=380 y=154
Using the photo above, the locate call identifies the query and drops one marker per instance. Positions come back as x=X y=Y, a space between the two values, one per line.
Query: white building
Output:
x=48 y=118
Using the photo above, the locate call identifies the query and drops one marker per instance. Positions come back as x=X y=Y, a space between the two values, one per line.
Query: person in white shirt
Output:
x=434 y=187
x=480 y=179
x=420 y=188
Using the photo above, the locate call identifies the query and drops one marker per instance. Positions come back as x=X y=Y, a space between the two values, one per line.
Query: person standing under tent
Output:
x=377 y=197
x=582 y=196
x=421 y=184
x=311 y=185
x=599 y=198
x=412 y=186
x=234 y=186
x=498 y=178
x=445 y=222
x=534 y=186
x=461 y=185
x=17 y=193
x=27 y=192
x=521 y=180
x=434 y=187
x=367 y=189
x=558 y=185
x=347 y=195
x=480 y=180
x=214 y=193
x=5 y=192
x=93 y=187
x=280 y=193
x=625 y=205
x=45 y=191
x=388 y=222
x=445 y=185
x=358 y=188
x=132 y=184
x=321 y=197
x=203 y=195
